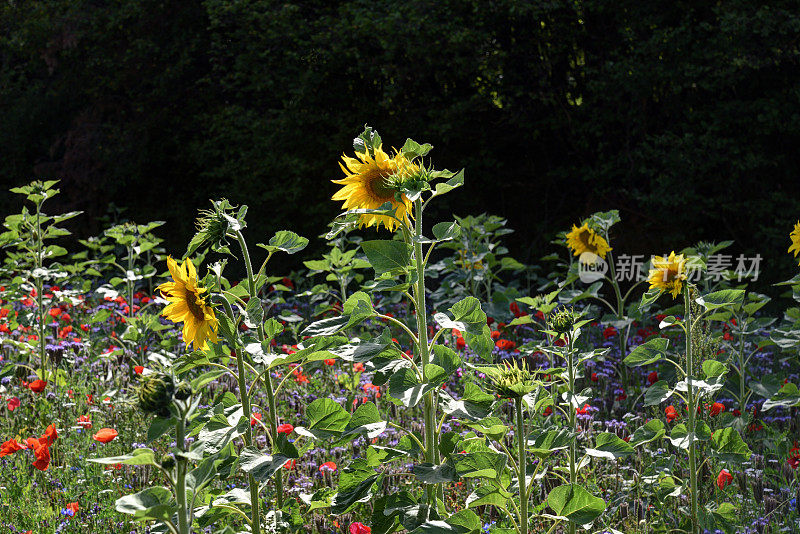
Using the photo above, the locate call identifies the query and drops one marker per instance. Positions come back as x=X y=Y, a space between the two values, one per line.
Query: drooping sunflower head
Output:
x=371 y=180
x=585 y=239
x=668 y=274
x=188 y=306
x=795 y=237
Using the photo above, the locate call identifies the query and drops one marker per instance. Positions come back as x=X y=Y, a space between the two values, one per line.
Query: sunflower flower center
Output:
x=379 y=186
x=195 y=305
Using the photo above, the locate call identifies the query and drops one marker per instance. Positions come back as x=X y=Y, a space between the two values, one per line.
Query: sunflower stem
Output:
x=521 y=464
x=431 y=446
x=573 y=473
x=690 y=405
x=251 y=281
x=180 y=478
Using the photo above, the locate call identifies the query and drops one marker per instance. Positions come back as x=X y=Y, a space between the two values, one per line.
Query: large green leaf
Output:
x=261 y=466
x=355 y=485
x=386 y=256
x=722 y=298
x=485 y=464
x=477 y=334
x=150 y=503
x=366 y=421
x=428 y=473
x=326 y=419
x=608 y=445
x=650 y=431
x=286 y=241
x=575 y=504
x=647 y=353
x=657 y=393
x=682 y=438
x=474 y=404
x=137 y=457
x=542 y=443
x=787 y=396
x=408 y=390
x=728 y=445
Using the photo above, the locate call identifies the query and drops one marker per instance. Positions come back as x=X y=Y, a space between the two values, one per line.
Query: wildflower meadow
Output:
x=414 y=377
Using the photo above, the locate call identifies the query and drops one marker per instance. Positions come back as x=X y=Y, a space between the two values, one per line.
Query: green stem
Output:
x=431 y=445
x=742 y=394
x=521 y=463
x=39 y=290
x=251 y=281
x=573 y=473
x=248 y=436
x=691 y=408
x=180 y=481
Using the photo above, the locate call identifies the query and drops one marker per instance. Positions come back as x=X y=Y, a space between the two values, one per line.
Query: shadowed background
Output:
x=684 y=117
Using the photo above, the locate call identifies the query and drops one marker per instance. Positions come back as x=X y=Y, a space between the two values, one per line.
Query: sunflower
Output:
x=367 y=185
x=668 y=273
x=795 y=237
x=584 y=239
x=187 y=306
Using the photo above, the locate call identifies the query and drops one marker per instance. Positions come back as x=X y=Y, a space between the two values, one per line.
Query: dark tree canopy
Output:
x=683 y=115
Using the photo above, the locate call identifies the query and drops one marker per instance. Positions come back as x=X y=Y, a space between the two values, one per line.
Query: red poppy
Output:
x=514 y=307
x=73 y=506
x=285 y=428
x=724 y=478
x=652 y=378
x=609 y=332
x=85 y=421
x=548 y=411
x=460 y=343
x=287 y=282
x=139 y=369
x=495 y=334
x=594 y=377
x=330 y=361
x=584 y=410
x=671 y=413
x=358 y=367
x=10 y=447
x=793 y=461
x=37 y=386
x=55 y=312
x=716 y=409
x=327 y=466
x=13 y=404
x=50 y=435
x=290 y=464
x=359 y=528
x=41 y=451
x=505 y=344
x=104 y=435
x=254 y=417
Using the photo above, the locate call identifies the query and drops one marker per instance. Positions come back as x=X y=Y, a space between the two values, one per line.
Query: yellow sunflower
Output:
x=795 y=237
x=187 y=306
x=584 y=239
x=366 y=185
x=668 y=273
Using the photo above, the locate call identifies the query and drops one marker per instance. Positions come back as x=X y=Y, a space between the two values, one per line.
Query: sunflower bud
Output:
x=168 y=462
x=562 y=320
x=155 y=394
x=213 y=226
x=512 y=381
x=183 y=391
